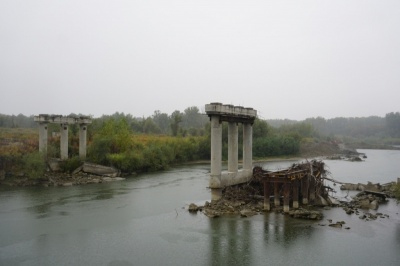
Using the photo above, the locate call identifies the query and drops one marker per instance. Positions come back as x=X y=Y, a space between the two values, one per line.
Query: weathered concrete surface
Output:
x=54 y=164
x=100 y=170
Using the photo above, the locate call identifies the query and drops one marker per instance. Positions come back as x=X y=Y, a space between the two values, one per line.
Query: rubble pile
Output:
x=364 y=201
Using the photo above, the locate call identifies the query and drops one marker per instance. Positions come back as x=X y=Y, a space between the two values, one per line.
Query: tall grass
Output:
x=149 y=152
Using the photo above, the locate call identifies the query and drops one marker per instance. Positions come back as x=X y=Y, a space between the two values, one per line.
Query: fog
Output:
x=286 y=59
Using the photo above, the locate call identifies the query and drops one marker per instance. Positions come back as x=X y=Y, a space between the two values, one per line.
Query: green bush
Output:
x=275 y=146
x=34 y=164
x=154 y=159
x=127 y=162
x=99 y=149
x=113 y=145
x=69 y=165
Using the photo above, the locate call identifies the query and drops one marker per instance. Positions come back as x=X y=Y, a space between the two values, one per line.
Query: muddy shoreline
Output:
x=57 y=180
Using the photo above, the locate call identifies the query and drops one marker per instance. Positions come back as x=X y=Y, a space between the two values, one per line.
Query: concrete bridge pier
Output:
x=232 y=147
x=219 y=113
x=82 y=140
x=64 y=141
x=43 y=135
x=216 y=158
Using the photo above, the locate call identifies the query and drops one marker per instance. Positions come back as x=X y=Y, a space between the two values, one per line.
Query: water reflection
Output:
x=279 y=229
x=46 y=202
x=230 y=242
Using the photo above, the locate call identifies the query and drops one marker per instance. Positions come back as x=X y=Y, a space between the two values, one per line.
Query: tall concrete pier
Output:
x=43 y=120
x=234 y=115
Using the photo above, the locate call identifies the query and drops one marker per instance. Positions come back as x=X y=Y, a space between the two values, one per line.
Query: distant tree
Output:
x=136 y=125
x=162 y=121
x=19 y=121
x=261 y=128
x=319 y=124
x=176 y=119
x=149 y=127
x=192 y=118
x=393 y=124
x=279 y=122
x=301 y=130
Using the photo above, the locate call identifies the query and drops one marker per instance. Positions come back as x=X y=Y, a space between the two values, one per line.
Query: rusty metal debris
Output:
x=303 y=181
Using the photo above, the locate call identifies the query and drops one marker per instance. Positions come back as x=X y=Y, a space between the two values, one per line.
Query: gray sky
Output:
x=286 y=59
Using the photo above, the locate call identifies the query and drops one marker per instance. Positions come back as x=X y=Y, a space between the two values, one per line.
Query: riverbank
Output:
x=53 y=177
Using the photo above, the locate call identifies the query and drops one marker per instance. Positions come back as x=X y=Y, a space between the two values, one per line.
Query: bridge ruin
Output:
x=44 y=119
x=300 y=184
x=233 y=115
x=301 y=181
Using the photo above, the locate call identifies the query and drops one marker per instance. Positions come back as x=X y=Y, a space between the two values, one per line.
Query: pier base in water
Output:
x=216 y=194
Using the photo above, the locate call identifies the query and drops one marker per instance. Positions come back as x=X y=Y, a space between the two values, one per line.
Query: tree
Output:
x=261 y=128
x=176 y=118
x=162 y=121
x=393 y=124
x=192 y=118
x=149 y=127
x=113 y=137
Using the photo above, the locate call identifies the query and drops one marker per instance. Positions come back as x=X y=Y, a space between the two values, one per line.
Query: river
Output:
x=143 y=221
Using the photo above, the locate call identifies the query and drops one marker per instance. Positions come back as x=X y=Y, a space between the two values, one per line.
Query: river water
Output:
x=143 y=221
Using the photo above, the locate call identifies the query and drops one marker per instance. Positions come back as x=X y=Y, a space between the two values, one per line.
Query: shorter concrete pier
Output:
x=43 y=120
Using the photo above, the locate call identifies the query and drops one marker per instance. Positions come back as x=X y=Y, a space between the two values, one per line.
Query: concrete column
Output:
x=43 y=137
x=304 y=189
x=286 y=196
x=295 y=194
x=232 y=147
x=247 y=146
x=216 y=158
x=64 y=142
x=267 y=204
x=276 y=195
x=82 y=140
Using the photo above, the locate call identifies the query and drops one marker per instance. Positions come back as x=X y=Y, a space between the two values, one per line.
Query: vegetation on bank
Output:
x=115 y=145
x=134 y=144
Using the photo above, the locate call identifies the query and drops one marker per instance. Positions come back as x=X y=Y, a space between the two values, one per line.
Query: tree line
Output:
x=356 y=127
x=144 y=144
x=192 y=122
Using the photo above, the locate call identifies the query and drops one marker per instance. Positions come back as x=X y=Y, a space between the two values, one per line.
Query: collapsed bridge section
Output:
x=300 y=181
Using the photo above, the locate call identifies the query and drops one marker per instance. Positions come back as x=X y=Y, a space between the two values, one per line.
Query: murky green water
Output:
x=142 y=221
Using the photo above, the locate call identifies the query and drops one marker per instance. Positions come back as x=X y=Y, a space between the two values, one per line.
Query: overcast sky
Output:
x=286 y=59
